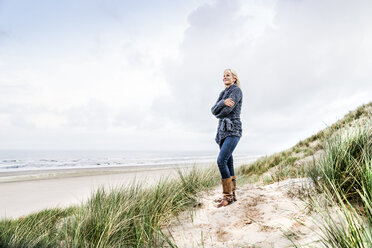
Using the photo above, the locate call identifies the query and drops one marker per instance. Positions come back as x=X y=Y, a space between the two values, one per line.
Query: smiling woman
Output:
x=227 y=109
x=125 y=71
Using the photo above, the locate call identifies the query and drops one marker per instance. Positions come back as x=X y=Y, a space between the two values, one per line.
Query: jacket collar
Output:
x=232 y=87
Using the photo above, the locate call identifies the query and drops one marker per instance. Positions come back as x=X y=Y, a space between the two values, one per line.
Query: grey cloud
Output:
x=20 y=115
x=314 y=53
x=94 y=115
x=205 y=52
x=137 y=58
x=9 y=90
x=3 y=33
x=311 y=55
x=20 y=118
x=137 y=118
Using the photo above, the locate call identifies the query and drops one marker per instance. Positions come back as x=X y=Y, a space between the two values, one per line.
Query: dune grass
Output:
x=346 y=163
x=133 y=216
x=344 y=176
x=129 y=216
x=285 y=164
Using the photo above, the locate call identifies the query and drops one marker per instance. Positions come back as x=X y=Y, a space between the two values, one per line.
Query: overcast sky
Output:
x=143 y=75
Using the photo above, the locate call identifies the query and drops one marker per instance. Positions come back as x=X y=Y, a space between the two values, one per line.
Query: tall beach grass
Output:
x=338 y=159
x=135 y=215
x=287 y=164
x=344 y=175
x=346 y=164
x=128 y=216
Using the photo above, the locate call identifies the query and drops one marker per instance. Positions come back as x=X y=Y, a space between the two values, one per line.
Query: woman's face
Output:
x=228 y=78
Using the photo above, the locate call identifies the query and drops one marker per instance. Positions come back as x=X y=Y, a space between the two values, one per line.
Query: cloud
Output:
x=94 y=115
x=293 y=58
x=3 y=34
x=313 y=49
x=22 y=117
x=204 y=53
x=301 y=64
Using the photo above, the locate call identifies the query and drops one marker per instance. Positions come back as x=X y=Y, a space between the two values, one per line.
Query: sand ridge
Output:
x=263 y=216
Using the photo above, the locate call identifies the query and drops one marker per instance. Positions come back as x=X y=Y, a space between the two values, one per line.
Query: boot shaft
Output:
x=227 y=193
x=233 y=185
x=233 y=181
x=227 y=186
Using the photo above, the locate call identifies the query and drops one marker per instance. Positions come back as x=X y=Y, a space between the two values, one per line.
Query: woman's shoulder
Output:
x=221 y=94
x=235 y=89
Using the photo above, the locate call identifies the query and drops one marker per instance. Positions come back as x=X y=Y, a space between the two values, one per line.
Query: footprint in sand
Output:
x=222 y=235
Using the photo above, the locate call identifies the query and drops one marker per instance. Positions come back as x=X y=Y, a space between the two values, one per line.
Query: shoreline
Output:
x=34 y=175
x=26 y=193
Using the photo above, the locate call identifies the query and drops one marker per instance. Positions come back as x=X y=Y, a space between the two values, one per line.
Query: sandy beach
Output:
x=263 y=216
x=22 y=193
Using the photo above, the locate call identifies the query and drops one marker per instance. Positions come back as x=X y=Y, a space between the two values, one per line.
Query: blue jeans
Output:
x=225 y=159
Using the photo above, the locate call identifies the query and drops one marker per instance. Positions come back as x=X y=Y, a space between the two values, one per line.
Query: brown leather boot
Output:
x=233 y=181
x=227 y=193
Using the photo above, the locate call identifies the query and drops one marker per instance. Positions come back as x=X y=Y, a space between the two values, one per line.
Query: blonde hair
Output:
x=235 y=76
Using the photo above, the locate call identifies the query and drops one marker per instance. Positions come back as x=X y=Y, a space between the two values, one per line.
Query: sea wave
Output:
x=47 y=160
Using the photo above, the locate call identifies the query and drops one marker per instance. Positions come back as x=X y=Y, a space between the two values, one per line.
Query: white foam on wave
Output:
x=43 y=160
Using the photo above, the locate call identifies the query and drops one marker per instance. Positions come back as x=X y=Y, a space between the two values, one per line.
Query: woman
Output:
x=227 y=110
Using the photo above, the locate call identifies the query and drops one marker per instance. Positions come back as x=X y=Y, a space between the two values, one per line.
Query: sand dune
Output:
x=262 y=217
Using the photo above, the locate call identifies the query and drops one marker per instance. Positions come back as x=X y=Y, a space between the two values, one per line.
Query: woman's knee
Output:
x=230 y=161
x=221 y=161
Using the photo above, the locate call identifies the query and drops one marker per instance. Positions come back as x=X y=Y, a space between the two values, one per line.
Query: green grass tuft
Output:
x=128 y=216
x=285 y=161
x=344 y=175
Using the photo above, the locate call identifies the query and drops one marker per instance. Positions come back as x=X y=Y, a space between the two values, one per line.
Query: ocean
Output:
x=31 y=160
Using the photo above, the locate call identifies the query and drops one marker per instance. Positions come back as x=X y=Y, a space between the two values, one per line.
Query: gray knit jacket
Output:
x=229 y=123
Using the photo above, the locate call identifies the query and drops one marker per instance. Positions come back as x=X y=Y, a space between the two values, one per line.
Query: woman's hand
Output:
x=229 y=102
